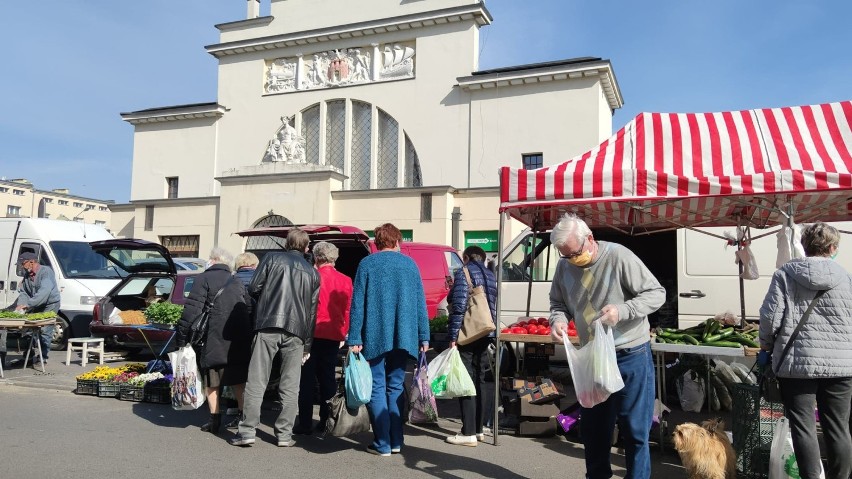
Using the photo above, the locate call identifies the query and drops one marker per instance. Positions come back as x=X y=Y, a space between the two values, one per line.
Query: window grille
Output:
x=386 y=168
x=149 y=218
x=311 y=133
x=362 y=126
x=335 y=133
x=258 y=244
x=412 y=165
x=426 y=207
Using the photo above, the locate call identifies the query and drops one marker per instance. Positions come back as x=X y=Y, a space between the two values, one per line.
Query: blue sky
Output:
x=70 y=67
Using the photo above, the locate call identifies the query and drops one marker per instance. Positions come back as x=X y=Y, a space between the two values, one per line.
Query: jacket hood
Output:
x=817 y=273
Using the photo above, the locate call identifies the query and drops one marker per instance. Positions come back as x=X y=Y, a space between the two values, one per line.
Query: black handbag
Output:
x=343 y=421
x=199 y=326
x=770 y=389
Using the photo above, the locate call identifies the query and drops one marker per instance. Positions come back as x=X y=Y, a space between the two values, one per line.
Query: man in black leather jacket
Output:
x=286 y=290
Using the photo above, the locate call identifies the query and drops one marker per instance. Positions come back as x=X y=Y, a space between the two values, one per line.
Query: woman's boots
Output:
x=213 y=424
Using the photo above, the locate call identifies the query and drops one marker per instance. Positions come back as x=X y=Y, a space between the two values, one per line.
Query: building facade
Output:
x=372 y=112
x=21 y=199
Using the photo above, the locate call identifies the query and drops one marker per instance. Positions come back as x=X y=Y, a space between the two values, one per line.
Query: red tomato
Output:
x=541 y=319
x=521 y=324
x=572 y=333
x=505 y=331
x=549 y=331
x=542 y=330
x=532 y=329
x=571 y=325
x=544 y=322
x=519 y=330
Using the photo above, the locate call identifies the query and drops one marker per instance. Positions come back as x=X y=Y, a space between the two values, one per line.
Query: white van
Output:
x=697 y=270
x=82 y=275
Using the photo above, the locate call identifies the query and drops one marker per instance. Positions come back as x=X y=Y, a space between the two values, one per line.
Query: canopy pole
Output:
x=531 y=268
x=740 y=240
x=495 y=426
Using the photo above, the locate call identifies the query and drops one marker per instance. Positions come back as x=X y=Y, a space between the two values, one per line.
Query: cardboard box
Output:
x=514 y=384
x=546 y=427
x=546 y=392
x=528 y=409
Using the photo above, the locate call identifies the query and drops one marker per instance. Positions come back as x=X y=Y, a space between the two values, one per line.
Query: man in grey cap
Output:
x=38 y=293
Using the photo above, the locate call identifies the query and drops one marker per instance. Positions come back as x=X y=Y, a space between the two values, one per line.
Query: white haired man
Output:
x=598 y=280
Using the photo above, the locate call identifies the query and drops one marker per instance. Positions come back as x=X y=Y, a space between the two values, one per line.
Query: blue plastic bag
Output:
x=358 y=380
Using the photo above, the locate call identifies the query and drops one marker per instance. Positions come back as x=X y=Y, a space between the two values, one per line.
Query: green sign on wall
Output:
x=487 y=240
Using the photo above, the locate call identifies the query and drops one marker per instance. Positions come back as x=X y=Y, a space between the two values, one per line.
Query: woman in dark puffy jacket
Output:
x=474 y=355
x=244 y=266
x=225 y=356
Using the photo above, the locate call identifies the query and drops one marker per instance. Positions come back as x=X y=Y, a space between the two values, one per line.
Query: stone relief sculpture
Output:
x=281 y=76
x=336 y=68
x=398 y=61
x=287 y=145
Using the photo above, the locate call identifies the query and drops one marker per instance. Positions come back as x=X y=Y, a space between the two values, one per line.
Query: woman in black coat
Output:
x=225 y=357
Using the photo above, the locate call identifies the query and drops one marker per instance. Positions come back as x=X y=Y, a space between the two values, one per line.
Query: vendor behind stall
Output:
x=38 y=294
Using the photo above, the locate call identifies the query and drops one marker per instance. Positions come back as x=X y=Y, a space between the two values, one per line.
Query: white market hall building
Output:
x=356 y=113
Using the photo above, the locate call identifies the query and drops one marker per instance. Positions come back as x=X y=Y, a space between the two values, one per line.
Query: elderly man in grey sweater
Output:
x=601 y=281
x=38 y=293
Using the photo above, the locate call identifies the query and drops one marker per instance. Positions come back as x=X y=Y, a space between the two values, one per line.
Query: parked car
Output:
x=151 y=271
x=437 y=263
x=200 y=264
x=186 y=265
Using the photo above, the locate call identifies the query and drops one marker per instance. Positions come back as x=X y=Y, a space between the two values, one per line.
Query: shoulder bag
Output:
x=198 y=329
x=770 y=390
x=478 y=321
x=343 y=421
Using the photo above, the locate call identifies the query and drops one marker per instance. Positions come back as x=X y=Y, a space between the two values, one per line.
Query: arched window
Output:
x=346 y=130
x=259 y=244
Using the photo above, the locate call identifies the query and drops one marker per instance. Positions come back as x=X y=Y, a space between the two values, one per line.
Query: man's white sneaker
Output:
x=480 y=437
x=461 y=440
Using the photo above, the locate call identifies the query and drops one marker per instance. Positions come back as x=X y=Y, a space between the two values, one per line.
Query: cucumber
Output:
x=661 y=340
x=722 y=334
x=744 y=340
x=722 y=344
x=689 y=339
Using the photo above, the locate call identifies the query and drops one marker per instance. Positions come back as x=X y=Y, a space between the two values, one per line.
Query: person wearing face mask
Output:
x=38 y=293
x=817 y=368
x=603 y=281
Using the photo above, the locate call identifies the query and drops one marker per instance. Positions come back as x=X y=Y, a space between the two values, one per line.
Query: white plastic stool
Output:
x=85 y=346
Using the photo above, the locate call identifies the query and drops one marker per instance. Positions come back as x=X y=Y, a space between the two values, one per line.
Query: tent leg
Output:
x=495 y=425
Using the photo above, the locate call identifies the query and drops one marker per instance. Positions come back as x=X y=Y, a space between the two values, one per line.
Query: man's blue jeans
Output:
x=386 y=402
x=633 y=408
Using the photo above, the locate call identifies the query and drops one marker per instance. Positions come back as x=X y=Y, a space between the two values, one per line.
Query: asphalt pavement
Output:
x=48 y=431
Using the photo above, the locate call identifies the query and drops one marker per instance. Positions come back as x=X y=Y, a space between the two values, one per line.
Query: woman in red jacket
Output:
x=332 y=324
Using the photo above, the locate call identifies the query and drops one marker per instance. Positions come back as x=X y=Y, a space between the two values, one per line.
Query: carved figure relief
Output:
x=340 y=68
x=287 y=145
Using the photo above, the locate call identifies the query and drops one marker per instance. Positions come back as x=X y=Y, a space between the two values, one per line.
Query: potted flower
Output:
x=163 y=315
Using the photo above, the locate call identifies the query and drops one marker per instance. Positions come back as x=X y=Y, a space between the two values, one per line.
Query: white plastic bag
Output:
x=594 y=367
x=746 y=257
x=690 y=390
x=187 y=388
x=782 y=459
x=785 y=253
x=448 y=376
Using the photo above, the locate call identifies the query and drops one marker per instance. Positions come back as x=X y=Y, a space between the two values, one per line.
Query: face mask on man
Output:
x=582 y=259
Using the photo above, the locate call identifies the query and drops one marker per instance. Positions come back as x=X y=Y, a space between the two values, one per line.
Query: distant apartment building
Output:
x=23 y=200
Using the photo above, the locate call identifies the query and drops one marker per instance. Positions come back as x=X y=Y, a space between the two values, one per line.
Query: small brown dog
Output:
x=705 y=450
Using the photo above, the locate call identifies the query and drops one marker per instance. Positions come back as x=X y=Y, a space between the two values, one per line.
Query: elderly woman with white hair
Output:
x=226 y=353
x=335 y=295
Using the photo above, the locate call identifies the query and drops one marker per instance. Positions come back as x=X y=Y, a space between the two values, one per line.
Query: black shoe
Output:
x=241 y=441
x=213 y=424
x=303 y=431
x=235 y=422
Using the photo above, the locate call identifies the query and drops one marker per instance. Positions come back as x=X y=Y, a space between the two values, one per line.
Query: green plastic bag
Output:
x=448 y=377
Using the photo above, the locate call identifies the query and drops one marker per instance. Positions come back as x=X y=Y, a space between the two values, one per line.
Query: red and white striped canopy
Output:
x=665 y=170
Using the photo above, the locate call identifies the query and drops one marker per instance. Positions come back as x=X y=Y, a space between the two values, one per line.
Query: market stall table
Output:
x=35 y=327
x=158 y=357
x=517 y=338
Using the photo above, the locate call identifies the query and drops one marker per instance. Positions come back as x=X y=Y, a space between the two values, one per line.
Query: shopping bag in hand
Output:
x=422 y=407
x=594 y=367
x=187 y=388
x=449 y=377
x=358 y=380
x=782 y=459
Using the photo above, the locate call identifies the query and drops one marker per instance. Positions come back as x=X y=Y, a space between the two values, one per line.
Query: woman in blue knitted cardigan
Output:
x=388 y=324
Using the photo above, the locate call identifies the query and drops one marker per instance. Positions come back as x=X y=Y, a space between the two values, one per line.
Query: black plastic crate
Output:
x=88 y=387
x=108 y=389
x=753 y=427
x=157 y=392
x=128 y=392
